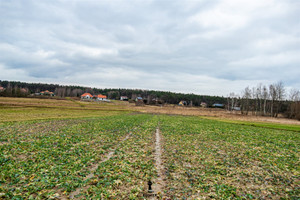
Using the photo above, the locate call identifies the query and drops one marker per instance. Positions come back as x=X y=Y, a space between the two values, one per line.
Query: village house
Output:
x=218 y=105
x=47 y=93
x=24 y=90
x=139 y=101
x=101 y=97
x=1 y=88
x=182 y=103
x=124 y=98
x=86 y=96
x=203 y=104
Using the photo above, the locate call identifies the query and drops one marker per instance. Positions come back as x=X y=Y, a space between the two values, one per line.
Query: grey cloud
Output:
x=204 y=45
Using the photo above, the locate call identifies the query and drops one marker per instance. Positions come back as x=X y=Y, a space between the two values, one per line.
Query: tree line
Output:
x=23 y=89
x=266 y=100
x=263 y=100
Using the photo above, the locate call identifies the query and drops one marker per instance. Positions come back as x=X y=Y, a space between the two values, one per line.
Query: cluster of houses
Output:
x=44 y=93
x=99 y=97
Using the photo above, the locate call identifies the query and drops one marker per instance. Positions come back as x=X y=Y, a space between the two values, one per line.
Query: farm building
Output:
x=124 y=98
x=86 y=96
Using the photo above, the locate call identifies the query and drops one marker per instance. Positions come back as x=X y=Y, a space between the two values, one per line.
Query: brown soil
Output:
x=159 y=183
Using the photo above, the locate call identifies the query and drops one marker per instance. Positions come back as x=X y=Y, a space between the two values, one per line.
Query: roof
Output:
x=218 y=104
x=46 y=91
x=86 y=94
x=139 y=98
x=101 y=96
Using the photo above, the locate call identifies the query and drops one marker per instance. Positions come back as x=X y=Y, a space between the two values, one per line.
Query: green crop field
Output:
x=206 y=158
x=111 y=154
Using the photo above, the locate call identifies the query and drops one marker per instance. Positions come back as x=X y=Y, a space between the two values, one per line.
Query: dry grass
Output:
x=212 y=113
x=72 y=107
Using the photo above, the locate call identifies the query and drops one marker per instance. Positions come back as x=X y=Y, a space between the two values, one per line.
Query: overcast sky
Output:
x=210 y=47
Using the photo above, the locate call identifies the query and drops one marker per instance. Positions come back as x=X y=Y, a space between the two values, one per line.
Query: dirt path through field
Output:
x=94 y=168
x=158 y=183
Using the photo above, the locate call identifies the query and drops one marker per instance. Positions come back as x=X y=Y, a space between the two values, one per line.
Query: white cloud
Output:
x=269 y=61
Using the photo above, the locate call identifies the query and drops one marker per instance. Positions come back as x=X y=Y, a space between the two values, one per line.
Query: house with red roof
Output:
x=101 y=97
x=47 y=93
x=86 y=96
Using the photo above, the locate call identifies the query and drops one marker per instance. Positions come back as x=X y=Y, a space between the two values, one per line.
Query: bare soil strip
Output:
x=93 y=169
x=159 y=182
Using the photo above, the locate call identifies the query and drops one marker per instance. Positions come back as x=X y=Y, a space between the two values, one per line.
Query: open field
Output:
x=61 y=149
x=20 y=109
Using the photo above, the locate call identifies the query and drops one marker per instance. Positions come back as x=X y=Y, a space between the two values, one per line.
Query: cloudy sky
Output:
x=210 y=47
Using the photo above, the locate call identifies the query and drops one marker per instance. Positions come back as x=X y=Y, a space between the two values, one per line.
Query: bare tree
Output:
x=68 y=92
x=265 y=95
x=280 y=91
x=294 y=97
x=259 y=97
x=273 y=95
x=61 y=92
x=76 y=92
x=232 y=101
x=246 y=96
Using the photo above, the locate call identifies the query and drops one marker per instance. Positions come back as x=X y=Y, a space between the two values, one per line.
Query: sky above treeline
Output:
x=210 y=47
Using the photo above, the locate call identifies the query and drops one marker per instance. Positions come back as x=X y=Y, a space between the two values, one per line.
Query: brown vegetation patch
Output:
x=214 y=113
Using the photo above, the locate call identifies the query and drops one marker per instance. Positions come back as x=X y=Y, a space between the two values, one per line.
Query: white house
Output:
x=101 y=97
x=86 y=96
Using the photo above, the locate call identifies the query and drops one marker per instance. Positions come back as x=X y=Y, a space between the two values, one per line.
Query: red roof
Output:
x=86 y=94
x=46 y=91
x=101 y=96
